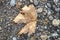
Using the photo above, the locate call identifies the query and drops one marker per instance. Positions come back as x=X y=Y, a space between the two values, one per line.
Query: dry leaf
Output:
x=28 y=15
x=28 y=28
x=19 y=18
x=30 y=11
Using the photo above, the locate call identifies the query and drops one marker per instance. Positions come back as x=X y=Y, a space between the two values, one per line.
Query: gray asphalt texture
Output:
x=9 y=30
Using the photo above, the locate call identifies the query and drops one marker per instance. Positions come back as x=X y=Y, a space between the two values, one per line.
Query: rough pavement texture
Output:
x=47 y=10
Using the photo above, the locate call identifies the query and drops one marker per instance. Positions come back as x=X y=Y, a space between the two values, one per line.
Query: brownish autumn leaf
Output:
x=28 y=28
x=28 y=15
x=19 y=18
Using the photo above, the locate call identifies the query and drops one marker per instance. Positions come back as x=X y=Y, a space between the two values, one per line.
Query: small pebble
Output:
x=0 y=28
x=33 y=38
x=18 y=4
x=58 y=30
x=12 y=3
x=39 y=10
x=49 y=12
x=5 y=11
x=58 y=3
x=45 y=10
x=44 y=37
x=57 y=9
x=55 y=22
x=55 y=1
x=44 y=13
x=58 y=38
x=59 y=21
x=48 y=4
x=50 y=18
x=55 y=34
x=35 y=2
x=14 y=38
x=21 y=0
x=45 y=27
x=31 y=1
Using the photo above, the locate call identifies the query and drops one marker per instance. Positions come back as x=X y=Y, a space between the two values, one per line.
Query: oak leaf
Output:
x=28 y=15
x=28 y=28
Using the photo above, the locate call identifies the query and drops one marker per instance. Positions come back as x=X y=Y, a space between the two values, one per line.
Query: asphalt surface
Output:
x=47 y=11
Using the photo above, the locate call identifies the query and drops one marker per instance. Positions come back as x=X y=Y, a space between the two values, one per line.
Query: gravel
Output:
x=47 y=11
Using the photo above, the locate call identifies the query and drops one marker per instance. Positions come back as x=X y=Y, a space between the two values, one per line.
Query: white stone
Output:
x=14 y=38
x=55 y=1
x=12 y=2
x=45 y=27
x=58 y=30
x=31 y=1
x=57 y=9
x=35 y=2
x=50 y=18
x=39 y=10
x=55 y=34
x=49 y=12
x=55 y=22
x=48 y=4
x=21 y=0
